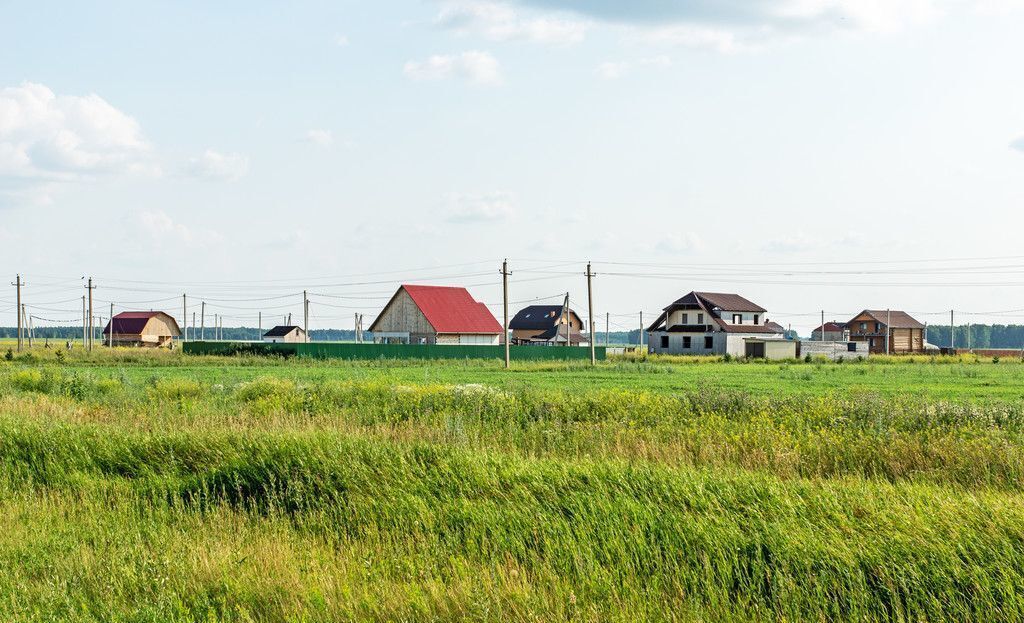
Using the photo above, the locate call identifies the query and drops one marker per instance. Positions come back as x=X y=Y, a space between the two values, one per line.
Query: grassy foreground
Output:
x=135 y=488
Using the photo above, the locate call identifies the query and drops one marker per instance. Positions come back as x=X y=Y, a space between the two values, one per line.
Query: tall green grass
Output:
x=133 y=491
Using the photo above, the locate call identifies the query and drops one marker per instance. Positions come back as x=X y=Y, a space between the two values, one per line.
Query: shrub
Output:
x=9 y=355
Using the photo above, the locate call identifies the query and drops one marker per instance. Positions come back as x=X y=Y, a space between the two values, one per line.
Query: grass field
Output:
x=154 y=486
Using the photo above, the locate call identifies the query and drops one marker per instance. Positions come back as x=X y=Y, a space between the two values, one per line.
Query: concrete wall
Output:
x=675 y=343
x=833 y=350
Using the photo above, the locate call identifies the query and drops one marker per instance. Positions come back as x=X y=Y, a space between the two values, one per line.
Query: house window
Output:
x=863 y=326
x=737 y=318
x=755 y=318
x=878 y=327
x=709 y=342
x=700 y=318
x=686 y=341
x=686 y=319
x=664 y=341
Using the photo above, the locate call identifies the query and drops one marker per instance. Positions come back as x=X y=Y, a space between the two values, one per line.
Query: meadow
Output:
x=139 y=486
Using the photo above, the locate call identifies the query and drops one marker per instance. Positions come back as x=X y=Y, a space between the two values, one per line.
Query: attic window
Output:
x=737 y=318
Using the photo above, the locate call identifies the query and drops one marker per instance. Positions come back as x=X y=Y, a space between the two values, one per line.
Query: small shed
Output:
x=136 y=328
x=769 y=348
x=285 y=333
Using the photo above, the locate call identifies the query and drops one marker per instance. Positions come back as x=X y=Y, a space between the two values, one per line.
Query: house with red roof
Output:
x=152 y=328
x=435 y=315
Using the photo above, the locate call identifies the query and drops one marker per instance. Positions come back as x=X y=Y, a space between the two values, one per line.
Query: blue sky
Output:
x=776 y=149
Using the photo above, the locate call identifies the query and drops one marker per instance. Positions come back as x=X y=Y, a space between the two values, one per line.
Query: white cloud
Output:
x=752 y=24
x=478 y=208
x=500 y=22
x=477 y=67
x=1018 y=144
x=219 y=166
x=611 y=70
x=321 y=137
x=341 y=41
x=679 y=243
x=617 y=69
x=158 y=227
x=66 y=137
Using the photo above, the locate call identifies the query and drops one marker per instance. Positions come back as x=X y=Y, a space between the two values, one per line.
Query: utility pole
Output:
x=202 y=321
x=952 y=341
x=590 y=313
x=607 y=322
x=193 y=325
x=17 y=283
x=823 y=325
x=259 y=326
x=110 y=334
x=641 y=338
x=92 y=331
x=504 y=290
x=305 y=315
x=968 y=334
x=568 y=322
x=184 y=316
x=888 y=331
x=28 y=324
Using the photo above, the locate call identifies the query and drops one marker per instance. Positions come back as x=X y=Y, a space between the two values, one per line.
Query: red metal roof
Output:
x=132 y=323
x=453 y=310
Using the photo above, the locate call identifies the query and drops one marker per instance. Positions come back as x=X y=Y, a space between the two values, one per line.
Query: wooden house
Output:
x=876 y=326
x=285 y=333
x=435 y=315
x=830 y=332
x=546 y=324
x=152 y=328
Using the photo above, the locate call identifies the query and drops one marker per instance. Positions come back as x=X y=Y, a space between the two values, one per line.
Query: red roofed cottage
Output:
x=152 y=328
x=435 y=315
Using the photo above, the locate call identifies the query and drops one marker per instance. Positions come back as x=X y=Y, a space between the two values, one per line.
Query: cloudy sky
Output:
x=810 y=154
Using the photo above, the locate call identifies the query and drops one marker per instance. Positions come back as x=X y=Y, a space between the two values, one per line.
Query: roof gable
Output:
x=896 y=319
x=540 y=317
x=134 y=322
x=282 y=330
x=450 y=309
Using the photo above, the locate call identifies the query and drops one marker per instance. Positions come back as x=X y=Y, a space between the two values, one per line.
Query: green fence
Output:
x=338 y=350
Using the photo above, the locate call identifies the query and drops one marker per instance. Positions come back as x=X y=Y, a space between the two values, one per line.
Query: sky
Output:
x=808 y=154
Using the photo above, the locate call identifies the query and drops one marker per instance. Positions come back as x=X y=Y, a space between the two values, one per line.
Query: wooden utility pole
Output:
x=202 y=321
x=27 y=323
x=259 y=326
x=888 y=331
x=17 y=310
x=823 y=325
x=193 y=325
x=305 y=315
x=110 y=334
x=640 y=338
x=607 y=323
x=568 y=322
x=952 y=341
x=590 y=313
x=504 y=290
x=184 y=317
x=92 y=331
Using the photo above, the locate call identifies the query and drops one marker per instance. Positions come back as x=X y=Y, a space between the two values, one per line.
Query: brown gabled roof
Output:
x=751 y=328
x=134 y=323
x=729 y=302
x=711 y=300
x=897 y=319
x=832 y=327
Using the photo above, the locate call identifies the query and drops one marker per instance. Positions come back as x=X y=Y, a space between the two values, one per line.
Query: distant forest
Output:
x=982 y=336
